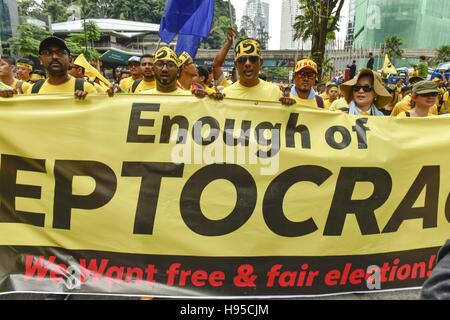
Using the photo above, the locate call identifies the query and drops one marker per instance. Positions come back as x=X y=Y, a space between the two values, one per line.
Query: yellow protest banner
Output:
x=175 y=196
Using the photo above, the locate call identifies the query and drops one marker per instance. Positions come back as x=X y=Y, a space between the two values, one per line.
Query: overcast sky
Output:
x=275 y=20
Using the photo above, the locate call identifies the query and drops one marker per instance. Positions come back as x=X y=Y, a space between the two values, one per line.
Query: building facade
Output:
x=420 y=24
x=9 y=20
x=255 y=20
x=289 y=11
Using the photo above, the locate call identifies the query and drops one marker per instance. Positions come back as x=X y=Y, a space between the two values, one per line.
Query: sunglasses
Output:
x=366 y=88
x=253 y=59
x=432 y=94
x=168 y=64
x=59 y=53
x=309 y=75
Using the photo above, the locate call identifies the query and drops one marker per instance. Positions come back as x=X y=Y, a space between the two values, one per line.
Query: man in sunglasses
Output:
x=305 y=79
x=248 y=60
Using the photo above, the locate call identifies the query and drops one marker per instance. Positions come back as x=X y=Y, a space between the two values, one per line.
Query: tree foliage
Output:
x=392 y=47
x=319 y=21
x=443 y=54
x=84 y=42
x=135 y=10
x=220 y=25
x=28 y=40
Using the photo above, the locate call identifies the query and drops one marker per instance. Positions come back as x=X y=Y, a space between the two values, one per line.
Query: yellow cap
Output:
x=165 y=53
x=306 y=64
x=247 y=47
x=89 y=71
x=183 y=58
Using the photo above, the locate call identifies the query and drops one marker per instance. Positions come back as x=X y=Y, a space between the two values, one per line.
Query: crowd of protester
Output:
x=367 y=93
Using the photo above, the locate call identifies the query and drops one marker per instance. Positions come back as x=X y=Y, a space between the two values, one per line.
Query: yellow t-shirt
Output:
x=99 y=88
x=339 y=104
x=305 y=102
x=143 y=85
x=68 y=87
x=403 y=115
x=405 y=105
x=324 y=96
x=178 y=92
x=25 y=86
x=263 y=91
x=126 y=83
x=327 y=103
x=446 y=107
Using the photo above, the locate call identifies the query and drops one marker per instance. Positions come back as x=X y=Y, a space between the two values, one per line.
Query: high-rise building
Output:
x=289 y=11
x=418 y=23
x=350 y=25
x=256 y=19
x=9 y=20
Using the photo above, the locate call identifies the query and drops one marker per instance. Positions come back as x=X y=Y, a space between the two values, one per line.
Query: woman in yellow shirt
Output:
x=424 y=98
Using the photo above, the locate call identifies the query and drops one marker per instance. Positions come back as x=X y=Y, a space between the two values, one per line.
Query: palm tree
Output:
x=392 y=47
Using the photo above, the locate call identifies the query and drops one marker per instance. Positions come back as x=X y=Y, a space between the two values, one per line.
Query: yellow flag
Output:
x=388 y=67
x=90 y=71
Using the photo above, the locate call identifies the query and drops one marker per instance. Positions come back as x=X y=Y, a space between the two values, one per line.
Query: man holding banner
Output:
x=165 y=68
x=248 y=60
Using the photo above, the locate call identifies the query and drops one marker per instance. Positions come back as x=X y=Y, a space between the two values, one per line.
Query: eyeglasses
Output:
x=59 y=53
x=366 y=88
x=431 y=94
x=309 y=75
x=243 y=60
x=168 y=64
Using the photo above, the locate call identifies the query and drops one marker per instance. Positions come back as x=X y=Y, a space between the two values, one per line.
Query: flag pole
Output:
x=230 y=9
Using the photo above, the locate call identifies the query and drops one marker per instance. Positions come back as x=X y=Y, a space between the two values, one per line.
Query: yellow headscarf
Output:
x=247 y=47
x=184 y=57
x=165 y=53
x=25 y=65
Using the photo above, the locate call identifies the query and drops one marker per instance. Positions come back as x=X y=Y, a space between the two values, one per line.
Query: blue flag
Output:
x=190 y=19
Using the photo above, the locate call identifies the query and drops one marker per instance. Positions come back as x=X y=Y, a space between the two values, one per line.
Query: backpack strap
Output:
x=37 y=86
x=319 y=102
x=19 y=85
x=136 y=83
x=79 y=84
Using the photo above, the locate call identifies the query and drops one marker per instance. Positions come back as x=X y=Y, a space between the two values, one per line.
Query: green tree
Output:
x=443 y=54
x=56 y=9
x=84 y=42
x=29 y=8
x=278 y=73
x=319 y=21
x=93 y=32
x=221 y=23
x=27 y=43
x=392 y=47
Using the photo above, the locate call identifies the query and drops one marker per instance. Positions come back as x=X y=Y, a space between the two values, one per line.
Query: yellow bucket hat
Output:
x=89 y=70
x=383 y=96
x=165 y=53
x=247 y=47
